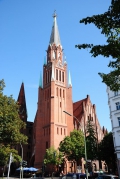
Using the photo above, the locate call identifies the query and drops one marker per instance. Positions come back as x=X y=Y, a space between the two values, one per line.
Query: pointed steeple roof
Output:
x=55 y=38
x=21 y=99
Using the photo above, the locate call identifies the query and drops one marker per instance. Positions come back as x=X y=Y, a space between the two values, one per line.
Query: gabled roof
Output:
x=55 y=38
x=78 y=108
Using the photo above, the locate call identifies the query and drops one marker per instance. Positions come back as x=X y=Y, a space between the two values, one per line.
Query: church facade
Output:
x=51 y=124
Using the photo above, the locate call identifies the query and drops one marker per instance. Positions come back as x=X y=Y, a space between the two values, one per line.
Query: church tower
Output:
x=51 y=124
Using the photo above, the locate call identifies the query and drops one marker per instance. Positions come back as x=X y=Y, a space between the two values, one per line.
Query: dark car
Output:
x=81 y=175
x=104 y=176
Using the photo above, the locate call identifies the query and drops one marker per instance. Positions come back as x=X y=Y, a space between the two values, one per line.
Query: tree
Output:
x=10 y=125
x=5 y=154
x=107 y=151
x=73 y=146
x=53 y=156
x=109 y=23
x=91 y=140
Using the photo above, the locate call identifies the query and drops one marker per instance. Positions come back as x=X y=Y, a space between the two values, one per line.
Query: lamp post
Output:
x=21 y=169
x=84 y=139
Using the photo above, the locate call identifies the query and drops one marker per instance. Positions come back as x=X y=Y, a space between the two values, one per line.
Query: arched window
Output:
x=59 y=75
x=56 y=74
x=57 y=130
x=47 y=76
x=61 y=131
x=60 y=92
x=63 y=77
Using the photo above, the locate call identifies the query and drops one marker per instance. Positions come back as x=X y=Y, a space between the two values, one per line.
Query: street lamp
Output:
x=84 y=139
x=21 y=169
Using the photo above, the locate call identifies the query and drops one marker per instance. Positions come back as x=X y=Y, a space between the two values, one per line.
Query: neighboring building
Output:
x=83 y=110
x=114 y=107
x=27 y=149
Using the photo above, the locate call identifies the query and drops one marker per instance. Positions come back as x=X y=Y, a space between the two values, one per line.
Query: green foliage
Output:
x=91 y=141
x=5 y=155
x=10 y=126
x=107 y=151
x=10 y=122
x=109 y=23
x=53 y=156
x=73 y=146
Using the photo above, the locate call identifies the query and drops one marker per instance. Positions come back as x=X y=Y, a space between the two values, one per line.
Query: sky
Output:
x=25 y=29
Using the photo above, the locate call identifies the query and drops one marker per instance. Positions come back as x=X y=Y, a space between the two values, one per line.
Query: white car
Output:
x=105 y=176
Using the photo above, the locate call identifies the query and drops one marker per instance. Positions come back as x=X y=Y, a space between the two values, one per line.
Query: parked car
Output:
x=81 y=175
x=74 y=176
x=104 y=176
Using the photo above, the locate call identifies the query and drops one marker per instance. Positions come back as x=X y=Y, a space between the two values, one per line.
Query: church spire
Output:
x=22 y=102
x=55 y=38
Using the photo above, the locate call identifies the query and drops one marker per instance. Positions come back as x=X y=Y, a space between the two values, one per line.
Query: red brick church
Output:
x=51 y=124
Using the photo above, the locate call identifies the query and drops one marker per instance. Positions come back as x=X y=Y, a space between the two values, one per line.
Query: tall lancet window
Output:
x=56 y=91
x=56 y=74
x=59 y=75
x=63 y=77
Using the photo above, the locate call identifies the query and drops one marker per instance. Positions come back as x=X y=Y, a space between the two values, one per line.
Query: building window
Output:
x=117 y=106
x=45 y=78
x=46 y=145
x=62 y=76
x=61 y=131
x=60 y=104
x=56 y=74
x=59 y=75
x=119 y=121
x=57 y=130
x=115 y=93
x=60 y=92
x=56 y=91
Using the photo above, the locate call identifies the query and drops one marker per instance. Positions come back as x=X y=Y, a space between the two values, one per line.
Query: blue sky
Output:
x=25 y=28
